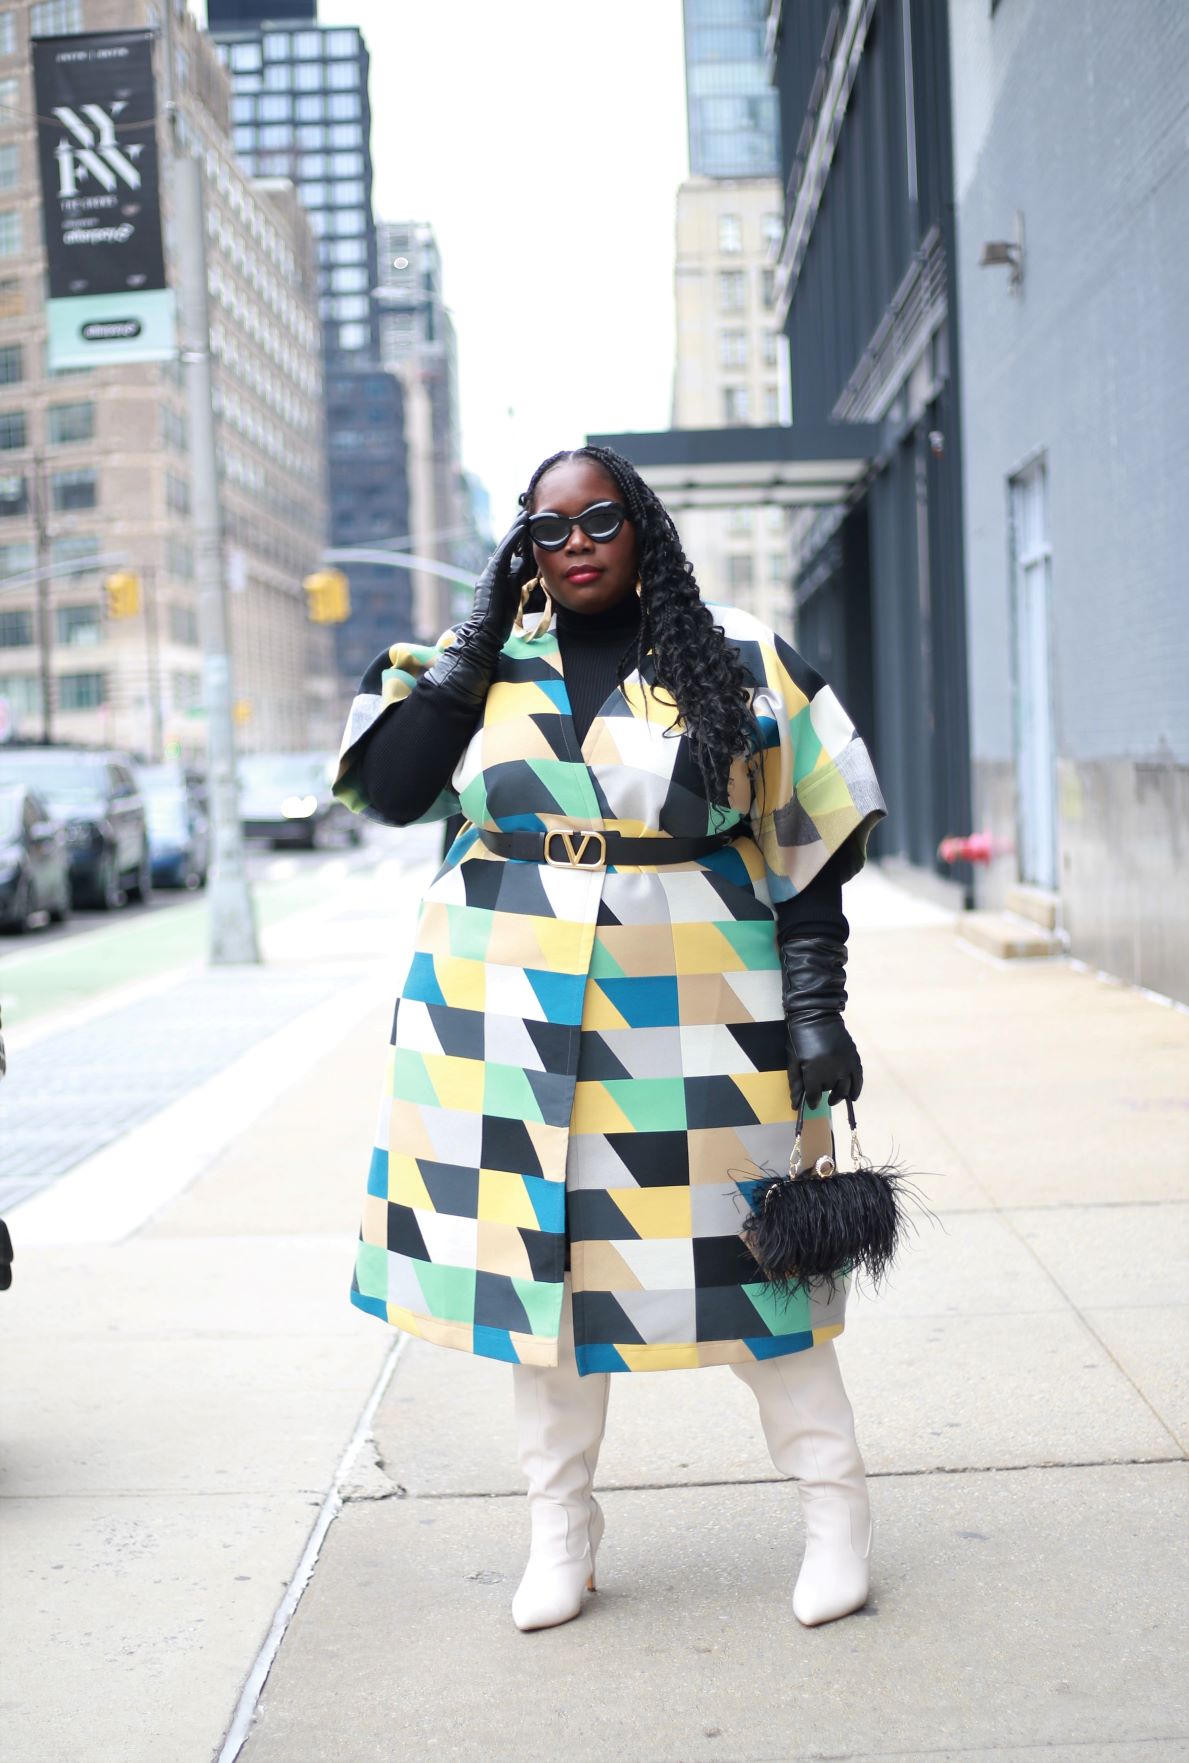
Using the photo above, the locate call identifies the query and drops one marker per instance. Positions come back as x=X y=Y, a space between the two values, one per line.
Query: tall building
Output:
x=369 y=492
x=98 y=459
x=1075 y=383
x=301 y=108
x=418 y=342
x=734 y=115
x=729 y=370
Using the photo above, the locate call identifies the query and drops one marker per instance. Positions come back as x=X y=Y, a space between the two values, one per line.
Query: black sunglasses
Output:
x=600 y=522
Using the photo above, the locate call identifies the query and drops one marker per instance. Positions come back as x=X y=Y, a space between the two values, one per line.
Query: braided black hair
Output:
x=691 y=657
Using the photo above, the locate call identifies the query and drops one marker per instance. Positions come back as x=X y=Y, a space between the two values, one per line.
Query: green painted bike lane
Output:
x=78 y=968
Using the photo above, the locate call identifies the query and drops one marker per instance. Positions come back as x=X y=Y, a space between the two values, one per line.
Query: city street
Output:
x=214 y=1466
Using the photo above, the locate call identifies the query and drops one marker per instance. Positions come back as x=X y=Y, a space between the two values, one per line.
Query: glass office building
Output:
x=734 y=114
x=300 y=110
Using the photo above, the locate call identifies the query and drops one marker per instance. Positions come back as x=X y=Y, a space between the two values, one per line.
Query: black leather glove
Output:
x=822 y=1058
x=465 y=670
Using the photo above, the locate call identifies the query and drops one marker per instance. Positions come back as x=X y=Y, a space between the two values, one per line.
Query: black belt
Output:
x=584 y=848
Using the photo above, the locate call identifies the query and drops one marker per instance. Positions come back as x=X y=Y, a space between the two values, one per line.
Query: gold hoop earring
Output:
x=639 y=588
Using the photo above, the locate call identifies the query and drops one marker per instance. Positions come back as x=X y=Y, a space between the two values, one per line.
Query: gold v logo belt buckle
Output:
x=575 y=844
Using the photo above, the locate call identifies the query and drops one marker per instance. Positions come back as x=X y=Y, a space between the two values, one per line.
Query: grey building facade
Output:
x=1070 y=142
x=866 y=290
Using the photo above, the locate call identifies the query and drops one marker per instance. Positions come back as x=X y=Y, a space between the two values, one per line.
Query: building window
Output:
x=348 y=251
x=72 y=422
x=186 y=689
x=12 y=364
x=75 y=554
x=8 y=33
x=10 y=160
x=73 y=489
x=179 y=559
x=245 y=57
x=82 y=691
x=771 y=404
x=10 y=232
x=56 y=18
x=354 y=336
x=732 y=290
x=343 y=106
x=307 y=45
x=346 y=165
x=730 y=233
x=768 y=289
x=16 y=630
x=23 y=691
x=14 y=497
x=308 y=76
x=12 y=299
x=183 y=625
x=177 y=493
x=740 y=570
x=734 y=404
x=343 y=76
x=773 y=232
x=10 y=101
x=739 y=522
x=276 y=46
x=778 y=567
x=16 y=559
x=78 y=627
x=274 y=107
x=732 y=348
x=341 y=134
x=341 y=45
x=13 y=430
x=770 y=347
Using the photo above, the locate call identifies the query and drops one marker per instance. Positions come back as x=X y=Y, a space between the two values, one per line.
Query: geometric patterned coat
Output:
x=601 y=1052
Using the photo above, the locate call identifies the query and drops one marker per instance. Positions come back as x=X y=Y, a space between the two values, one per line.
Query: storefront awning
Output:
x=795 y=467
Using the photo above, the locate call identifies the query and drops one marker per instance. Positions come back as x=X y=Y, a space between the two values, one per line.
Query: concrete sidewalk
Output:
x=181 y=1406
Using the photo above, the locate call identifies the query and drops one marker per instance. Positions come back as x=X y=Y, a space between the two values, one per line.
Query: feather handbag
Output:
x=821 y=1223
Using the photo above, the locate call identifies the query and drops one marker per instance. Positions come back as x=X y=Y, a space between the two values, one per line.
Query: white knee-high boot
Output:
x=559 y=1427
x=810 y=1431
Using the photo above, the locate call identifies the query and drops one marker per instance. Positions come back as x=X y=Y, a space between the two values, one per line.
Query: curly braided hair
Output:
x=691 y=657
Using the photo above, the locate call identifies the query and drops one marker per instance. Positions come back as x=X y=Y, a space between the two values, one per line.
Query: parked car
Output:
x=179 y=826
x=96 y=796
x=34 y=864
x=286 y=797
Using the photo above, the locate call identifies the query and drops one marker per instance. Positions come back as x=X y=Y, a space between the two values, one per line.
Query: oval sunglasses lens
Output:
x=550 y=532
x=602 y=524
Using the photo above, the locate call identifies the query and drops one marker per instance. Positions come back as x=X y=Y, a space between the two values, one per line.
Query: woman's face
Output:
x=585 y=575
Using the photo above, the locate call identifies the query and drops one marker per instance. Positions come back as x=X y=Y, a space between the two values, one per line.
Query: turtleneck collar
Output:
x=623 y=617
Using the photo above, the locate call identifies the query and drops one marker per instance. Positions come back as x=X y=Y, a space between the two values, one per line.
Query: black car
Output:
x=179 y=825
x=96 y=796
x=286 y=797
x=34 y=865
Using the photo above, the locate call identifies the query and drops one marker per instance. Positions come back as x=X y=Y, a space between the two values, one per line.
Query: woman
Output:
x=627 y=972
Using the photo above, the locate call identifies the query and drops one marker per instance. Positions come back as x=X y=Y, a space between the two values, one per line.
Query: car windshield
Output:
x=63 y=777
x=286 y=774
x=10 y=814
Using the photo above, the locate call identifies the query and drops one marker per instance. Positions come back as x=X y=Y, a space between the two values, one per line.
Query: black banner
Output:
x=97 y=146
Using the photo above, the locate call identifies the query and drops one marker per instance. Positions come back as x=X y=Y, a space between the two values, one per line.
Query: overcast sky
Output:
x=545 y=140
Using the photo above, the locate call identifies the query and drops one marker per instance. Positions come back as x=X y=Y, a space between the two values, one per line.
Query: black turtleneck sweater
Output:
x=411 y=756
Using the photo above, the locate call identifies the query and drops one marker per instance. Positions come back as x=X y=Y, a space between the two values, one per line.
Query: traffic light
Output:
x=122 y=591
x=329 y=596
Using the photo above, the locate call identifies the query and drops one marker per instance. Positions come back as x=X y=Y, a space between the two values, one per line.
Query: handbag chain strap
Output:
x=826 y=1165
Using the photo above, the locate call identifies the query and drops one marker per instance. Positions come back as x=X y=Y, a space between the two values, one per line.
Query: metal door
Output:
x=1036 y=769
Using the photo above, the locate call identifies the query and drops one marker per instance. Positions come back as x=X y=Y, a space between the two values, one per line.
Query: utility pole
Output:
x=45 y=627
x=153 y=648
x=231 y=915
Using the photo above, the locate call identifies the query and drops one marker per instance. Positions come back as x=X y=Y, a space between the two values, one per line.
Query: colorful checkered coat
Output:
x=601 y=1051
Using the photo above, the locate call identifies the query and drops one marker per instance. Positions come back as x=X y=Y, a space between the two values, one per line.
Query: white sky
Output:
x=545 y=140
